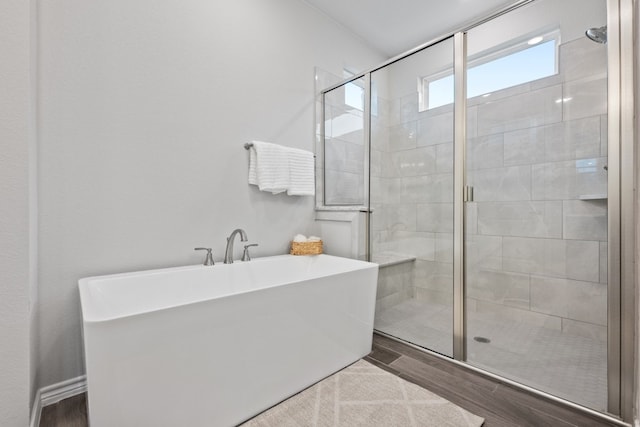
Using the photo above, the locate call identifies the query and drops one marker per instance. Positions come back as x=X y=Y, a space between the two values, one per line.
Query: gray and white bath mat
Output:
x=365 y=395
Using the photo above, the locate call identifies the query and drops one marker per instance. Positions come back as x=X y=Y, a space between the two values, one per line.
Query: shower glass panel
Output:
x=412 y=197
x=344 y=145
x=536 y=225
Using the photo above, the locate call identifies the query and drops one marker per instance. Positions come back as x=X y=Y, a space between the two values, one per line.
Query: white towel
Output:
x=269 y=167
x=253 y=161
x=301 y=173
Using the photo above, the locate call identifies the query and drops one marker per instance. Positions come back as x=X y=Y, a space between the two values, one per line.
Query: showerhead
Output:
x=598 y=35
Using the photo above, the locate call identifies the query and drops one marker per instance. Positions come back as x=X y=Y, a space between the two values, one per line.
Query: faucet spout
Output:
x=228 y=253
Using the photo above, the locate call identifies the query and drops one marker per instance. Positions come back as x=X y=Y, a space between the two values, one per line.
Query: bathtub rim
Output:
x=92 y=319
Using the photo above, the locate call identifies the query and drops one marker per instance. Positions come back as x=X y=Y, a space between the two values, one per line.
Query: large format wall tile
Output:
x=485 y=152
x=343 y=187
x=420 y=245
x=435 y=130
x=417 y=161
x=585 y=220
x=402 y=137
x=510 y=289
x=381 y=165
x=394 y=112
x=436 y=217
x=524 y=146
x=604 y=267
x=389 y=301
x=471 y=218
x=375 y=163
x=444 y=247
x=501 y=314
x=604 y=136
x=526 y=219
x=582 y=58
x=483 y=252
x=534 y=255
x=583 y=260
x=585 y=98
x=397 y=216
x=409 y=107
x=436 y=276
x=444 y=158
x=573 y=259
x=385 y=190
x=572 y=299
x=436 y=188
x=569 y=180
x=501 y=184
x=521 y=111
x=472 y=122
x=573 y=139
x=344 y=156
x=380 y=138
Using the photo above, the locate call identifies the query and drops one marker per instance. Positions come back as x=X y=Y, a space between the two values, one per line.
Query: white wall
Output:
x=15 y=248
x=144 y=108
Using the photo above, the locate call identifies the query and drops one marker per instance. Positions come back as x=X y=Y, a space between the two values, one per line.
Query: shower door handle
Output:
x=468 y=193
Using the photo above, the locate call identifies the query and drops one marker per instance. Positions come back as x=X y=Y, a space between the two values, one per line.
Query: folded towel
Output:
x=301 y=173
x=269 y=167
x=313 y=239
x=253 y=162
x=300 y=238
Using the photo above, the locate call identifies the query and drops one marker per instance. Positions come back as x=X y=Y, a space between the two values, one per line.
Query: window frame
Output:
x=519 y=45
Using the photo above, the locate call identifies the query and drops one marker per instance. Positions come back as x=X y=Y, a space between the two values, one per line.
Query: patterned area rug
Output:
x=365 y=395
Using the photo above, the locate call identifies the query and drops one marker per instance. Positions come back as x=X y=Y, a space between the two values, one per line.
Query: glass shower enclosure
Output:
x=485 y=174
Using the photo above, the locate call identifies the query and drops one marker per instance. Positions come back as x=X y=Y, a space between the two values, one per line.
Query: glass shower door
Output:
x=411 y=197
x=536 y=218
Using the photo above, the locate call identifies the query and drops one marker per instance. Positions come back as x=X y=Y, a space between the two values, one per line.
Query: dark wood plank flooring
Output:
x=71 y=412
x=501 y=405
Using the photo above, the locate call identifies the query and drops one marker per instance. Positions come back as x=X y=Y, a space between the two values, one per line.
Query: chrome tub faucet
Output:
x=228 y=253
x=245 y=255
x=209 y=259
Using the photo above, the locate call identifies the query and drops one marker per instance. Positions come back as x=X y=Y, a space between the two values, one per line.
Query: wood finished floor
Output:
x=71 y=412
x=499 y=404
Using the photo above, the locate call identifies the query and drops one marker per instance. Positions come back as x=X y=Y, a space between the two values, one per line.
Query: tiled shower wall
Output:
x=537 y=228
x=343 y=153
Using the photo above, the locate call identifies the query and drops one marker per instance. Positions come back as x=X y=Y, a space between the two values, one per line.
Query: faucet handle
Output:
x=209 y=258
x=245 y=254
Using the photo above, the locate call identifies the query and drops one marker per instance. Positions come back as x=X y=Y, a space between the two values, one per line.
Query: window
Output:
x=353 y=91
x=526 y=61
x=354 y=96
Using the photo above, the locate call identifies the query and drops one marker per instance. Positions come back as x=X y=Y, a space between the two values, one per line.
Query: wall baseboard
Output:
x=55 y=393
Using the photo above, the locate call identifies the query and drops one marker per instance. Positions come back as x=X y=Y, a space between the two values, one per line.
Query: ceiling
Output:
x=393 y=27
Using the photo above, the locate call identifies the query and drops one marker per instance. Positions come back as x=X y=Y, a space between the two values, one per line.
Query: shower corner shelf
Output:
x=592 y=197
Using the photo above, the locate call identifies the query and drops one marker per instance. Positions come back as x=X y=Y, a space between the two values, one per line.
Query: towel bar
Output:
x=248 y=145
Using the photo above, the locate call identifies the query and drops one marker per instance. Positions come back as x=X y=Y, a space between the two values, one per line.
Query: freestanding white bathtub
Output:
x=214 y=346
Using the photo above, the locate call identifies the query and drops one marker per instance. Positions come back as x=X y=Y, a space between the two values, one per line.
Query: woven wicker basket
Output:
x=306 y=248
